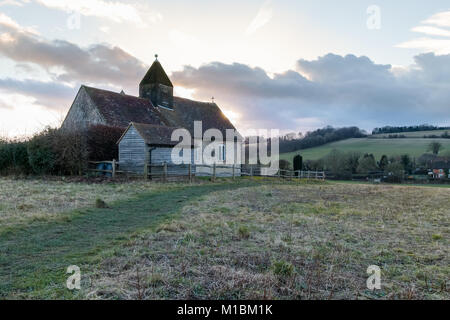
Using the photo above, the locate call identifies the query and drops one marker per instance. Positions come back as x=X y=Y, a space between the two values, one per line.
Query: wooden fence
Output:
x=164 y=171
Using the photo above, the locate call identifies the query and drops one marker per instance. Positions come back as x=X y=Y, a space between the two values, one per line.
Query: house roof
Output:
x=156 y=74
x=119 y=110
x=155 y=134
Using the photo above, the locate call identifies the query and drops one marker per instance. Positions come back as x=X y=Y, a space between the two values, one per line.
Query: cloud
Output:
x=11 y=3
x=441 y=19
x=262 y=18
x=49 y=94
x=438 y=37
x=116 y=11
x=333 y=89
x=68 y=62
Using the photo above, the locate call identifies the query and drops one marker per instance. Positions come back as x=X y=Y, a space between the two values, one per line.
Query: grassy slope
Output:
x=391 y=147
x=33 y=259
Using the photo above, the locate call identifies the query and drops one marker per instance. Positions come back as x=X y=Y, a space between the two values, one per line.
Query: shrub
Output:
x=283 y=268
x=100 y=204
x=102 y=142
x=244 y=232
x=41 y=156
x=14 y=157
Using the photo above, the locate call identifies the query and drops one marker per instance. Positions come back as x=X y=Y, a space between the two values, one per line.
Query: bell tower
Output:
x=157 y=86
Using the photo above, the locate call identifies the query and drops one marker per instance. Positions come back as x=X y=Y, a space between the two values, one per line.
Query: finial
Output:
x=212 y=99
x=156 y=56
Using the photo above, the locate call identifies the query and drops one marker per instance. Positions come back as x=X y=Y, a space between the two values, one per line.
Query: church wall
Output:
x=82 y=114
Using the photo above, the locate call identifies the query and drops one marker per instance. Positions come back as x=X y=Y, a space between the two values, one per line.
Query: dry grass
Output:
x=289 y=242
x=22 y=201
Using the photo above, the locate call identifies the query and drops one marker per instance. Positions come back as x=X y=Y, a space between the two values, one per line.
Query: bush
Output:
x=14 y=157
x=41 y=156
x=283 y=268
x=244 y=232
x=102 y=142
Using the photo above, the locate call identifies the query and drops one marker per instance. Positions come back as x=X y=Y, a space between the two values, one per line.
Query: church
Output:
x=149 y=120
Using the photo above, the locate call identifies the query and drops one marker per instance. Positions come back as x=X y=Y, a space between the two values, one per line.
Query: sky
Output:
x=270 y=64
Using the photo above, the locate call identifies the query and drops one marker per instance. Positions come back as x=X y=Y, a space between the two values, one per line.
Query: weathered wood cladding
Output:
x=132 y=152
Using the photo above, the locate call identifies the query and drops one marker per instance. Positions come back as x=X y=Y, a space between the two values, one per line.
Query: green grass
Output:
x=34 y=259
x=415 y=147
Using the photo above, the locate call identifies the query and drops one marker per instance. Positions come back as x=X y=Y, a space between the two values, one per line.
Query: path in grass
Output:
x=33 y=260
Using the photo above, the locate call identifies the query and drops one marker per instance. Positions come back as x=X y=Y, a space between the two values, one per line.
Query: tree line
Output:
x=320 y=137
x=393 y=129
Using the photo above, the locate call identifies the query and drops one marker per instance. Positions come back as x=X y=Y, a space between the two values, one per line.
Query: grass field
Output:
x=415 y=147
x=246 y=239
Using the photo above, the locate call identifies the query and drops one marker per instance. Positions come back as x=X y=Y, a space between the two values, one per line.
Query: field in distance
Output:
x=414 y=147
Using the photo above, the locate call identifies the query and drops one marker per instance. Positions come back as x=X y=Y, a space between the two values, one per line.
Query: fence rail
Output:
x=162 y=171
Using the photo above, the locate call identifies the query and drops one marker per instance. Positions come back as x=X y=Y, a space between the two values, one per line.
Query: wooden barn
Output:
x=149 y=120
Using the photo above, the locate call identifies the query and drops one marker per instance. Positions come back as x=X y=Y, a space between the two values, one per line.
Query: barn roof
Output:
x=156 y=74
x=119 y=110
x=155 y=134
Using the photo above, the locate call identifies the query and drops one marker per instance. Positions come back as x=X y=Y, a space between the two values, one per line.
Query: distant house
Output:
x=441 y=169
x=149 y=120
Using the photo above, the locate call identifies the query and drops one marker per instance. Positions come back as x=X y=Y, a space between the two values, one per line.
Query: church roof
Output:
x=156 y=74
x=186 y=111
x=119 y=110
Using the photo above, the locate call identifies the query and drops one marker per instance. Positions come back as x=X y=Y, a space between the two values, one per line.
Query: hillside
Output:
x=390 y=147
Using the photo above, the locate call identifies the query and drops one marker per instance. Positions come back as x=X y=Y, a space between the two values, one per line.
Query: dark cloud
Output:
x=333 y=90
x=100 y=63
x=48 y=94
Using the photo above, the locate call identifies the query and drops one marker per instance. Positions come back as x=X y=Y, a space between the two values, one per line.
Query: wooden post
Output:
x=165 y=172
x=317 y=175
x=190 y=173
x=146 y=171
x=234 y=175
x=214 y=172
x=251 y=170
x=309 y=172
x=114 y=168
x=279 y=173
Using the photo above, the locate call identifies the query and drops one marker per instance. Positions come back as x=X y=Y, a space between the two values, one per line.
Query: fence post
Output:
x=317 y=175
x=214 y=172
x=146 y=171
x=234 y=175
x=279 y=173
x=251 y=170
x=114 y=168
x=190 y=173
x=165 y=172
x=309 y=174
